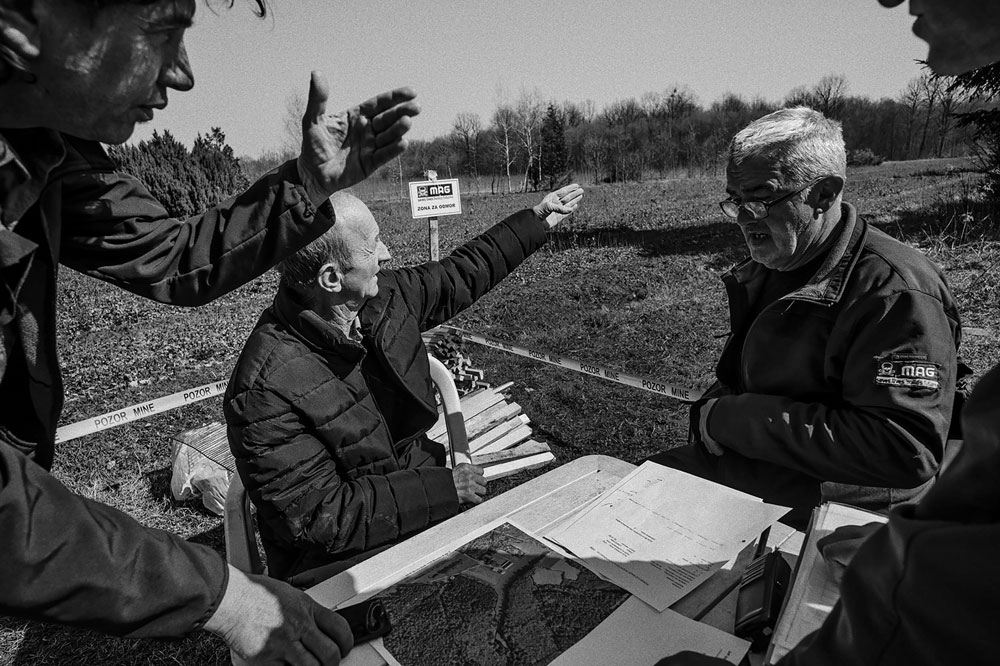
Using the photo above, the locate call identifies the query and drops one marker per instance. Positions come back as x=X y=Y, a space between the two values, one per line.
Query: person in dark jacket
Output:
x=74 y=73
x=922 y=589
x=330 y=400
x=838 y=377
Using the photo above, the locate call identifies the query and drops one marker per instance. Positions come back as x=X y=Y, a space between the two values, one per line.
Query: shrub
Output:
x=863 y=157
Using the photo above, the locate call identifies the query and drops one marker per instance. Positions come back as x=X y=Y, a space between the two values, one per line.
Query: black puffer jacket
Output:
x=328 y=434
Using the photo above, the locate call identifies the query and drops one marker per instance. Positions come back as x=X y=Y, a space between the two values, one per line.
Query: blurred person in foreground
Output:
x=330 y=401
x=922 y=589
x=838 y=377
x=74 y=73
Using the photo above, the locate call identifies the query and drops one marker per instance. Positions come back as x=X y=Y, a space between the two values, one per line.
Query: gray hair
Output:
x=299 y=271
x=803 y=142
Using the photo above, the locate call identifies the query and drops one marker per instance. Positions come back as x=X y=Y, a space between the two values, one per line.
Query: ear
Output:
x=19 y=34
x=824 y=193
x=329 y=279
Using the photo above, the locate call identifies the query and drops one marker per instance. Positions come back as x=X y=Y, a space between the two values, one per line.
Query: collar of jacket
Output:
x=316 y=332
x=826 y=287
x=27 y=156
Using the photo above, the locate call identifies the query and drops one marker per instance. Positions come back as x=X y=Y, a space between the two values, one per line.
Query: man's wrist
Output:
x=316 y=194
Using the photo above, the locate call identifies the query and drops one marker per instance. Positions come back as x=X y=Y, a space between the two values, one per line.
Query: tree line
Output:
x=530 y=143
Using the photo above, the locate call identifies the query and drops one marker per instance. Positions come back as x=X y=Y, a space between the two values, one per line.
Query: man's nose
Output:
x=383 y=254
x=177 y=73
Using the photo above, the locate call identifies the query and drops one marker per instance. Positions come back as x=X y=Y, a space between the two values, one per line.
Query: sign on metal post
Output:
x=431 y=199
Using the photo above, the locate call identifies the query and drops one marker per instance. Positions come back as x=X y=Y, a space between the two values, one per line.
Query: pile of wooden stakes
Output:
x=449 y=348
x=500 y=438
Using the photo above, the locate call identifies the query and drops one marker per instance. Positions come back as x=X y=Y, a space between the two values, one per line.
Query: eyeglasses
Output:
x=758 y=210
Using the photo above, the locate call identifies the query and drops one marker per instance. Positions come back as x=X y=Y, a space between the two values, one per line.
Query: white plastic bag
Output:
x=194 y=474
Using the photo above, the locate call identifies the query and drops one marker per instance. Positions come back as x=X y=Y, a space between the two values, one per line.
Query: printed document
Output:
x=660 y=532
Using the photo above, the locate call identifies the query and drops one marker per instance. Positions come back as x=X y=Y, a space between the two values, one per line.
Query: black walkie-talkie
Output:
x=761 y=592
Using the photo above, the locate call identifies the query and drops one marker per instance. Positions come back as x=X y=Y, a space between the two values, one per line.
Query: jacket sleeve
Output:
x=305 y=498
x=874 y=434
x=437 y=291
x=922 y=589
x=73 y=561
x=114 y=230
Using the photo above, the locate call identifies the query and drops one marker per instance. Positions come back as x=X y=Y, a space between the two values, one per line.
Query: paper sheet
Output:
x=814 y=591
x=661 y=532
x=646 y=636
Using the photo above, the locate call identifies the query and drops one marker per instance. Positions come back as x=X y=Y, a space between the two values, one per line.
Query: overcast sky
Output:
x=463 y=55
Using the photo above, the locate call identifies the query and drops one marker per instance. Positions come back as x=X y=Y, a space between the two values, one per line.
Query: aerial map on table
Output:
x=502 y=599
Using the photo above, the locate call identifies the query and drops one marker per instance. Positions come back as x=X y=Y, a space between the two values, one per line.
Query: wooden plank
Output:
x=470 y=409
x=503 y=469
x=514 y=437
x=480 y=424
x=528 y=448
x=497 y=431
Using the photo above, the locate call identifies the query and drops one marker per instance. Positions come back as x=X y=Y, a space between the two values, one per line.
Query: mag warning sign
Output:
x=434 y=198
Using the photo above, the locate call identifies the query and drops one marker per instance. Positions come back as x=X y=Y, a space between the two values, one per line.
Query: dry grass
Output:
x=631 y=282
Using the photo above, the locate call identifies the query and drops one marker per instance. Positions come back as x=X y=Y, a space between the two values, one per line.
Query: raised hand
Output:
x=342 y=149
x=557 y=206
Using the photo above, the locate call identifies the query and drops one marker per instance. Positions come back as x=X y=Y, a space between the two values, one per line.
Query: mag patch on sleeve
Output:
x=908 y=371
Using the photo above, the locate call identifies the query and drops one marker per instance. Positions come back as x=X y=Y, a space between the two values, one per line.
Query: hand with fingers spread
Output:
x=557 y=206
x=265 y=621
x=469 y=483
x=342 y=149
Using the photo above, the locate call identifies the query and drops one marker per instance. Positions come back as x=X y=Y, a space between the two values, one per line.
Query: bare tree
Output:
x=829 y=94
x=465 y=134
x=910 y=99
x=504 y=123
x=295 y=108
x=528 y=113
x=931 y=88
x=946 y=103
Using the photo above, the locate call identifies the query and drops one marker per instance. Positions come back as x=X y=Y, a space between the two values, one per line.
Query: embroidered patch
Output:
x=908 y=371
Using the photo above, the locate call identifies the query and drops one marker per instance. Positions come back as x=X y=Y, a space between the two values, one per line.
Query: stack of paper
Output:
x=660 y=532
x=814 y=590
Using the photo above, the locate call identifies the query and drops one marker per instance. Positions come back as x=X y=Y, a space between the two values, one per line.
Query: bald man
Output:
x=331 y=399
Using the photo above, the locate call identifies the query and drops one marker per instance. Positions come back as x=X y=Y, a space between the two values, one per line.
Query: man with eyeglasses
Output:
x=837 y=381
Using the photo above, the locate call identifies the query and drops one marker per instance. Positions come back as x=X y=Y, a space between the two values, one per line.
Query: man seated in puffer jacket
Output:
x=330 y=400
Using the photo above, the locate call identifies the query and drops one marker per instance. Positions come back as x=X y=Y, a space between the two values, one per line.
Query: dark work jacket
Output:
x=328 y=434
x=923 y=589
x=64 y=558
x=811 y=387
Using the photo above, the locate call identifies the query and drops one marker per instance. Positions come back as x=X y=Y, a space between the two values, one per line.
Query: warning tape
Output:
x=684 y=393
x=140 y=411
x=206 y=391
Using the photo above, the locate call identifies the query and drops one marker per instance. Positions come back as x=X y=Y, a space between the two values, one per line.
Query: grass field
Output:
x=631 y=282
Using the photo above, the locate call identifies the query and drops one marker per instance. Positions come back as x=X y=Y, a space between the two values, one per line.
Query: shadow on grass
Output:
x=954 y=221
x=703 y=239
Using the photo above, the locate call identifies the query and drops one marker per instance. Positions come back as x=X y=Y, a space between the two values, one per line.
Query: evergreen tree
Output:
x=981 y=87
x=185 y=183
x=554 y=155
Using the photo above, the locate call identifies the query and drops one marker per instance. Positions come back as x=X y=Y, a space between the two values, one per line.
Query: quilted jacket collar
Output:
x=313 y=330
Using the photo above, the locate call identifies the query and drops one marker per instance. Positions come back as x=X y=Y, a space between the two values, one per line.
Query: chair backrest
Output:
x=241 y=537
x=454 y=420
